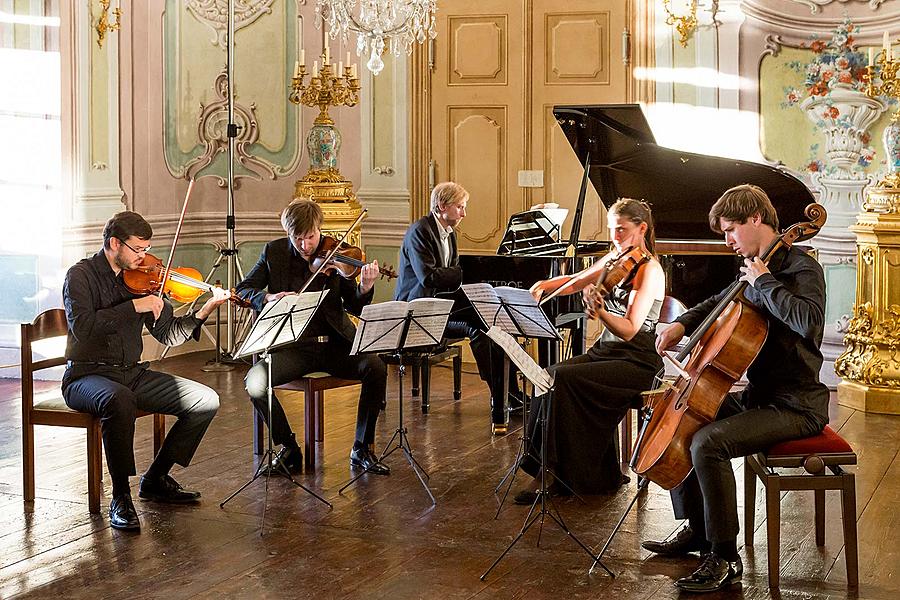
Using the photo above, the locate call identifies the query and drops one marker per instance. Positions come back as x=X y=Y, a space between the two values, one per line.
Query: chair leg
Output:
x=28 y=462
x=626 y=437
x=820 y=517
x=258 y=433
x=749 y=502
x=159 y=432
x=94 y=466
x=415 y=379
x=320 y=415
x=309 y=419
x=457 y=376
x=426 y=385
x=773 y=527
x=848 y=516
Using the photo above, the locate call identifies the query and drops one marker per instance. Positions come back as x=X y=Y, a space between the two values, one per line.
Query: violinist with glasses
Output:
x=284 y=267
x=104 y=375
x=593 y=392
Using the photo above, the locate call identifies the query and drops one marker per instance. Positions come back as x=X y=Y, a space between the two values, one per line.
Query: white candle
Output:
x=872 y=56
x=353 y=71
x=348 y=58
x=884 y=41
x=296 y=68
x=315 y=72
x=328 y=56
x=302 y=57
x=340 y=70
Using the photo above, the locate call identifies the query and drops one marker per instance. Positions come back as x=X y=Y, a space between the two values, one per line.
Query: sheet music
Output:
x=381 y=325
x=487 y=305
x=521 y=314
x=540 y=378
x=429 y=321
x=526 y=312
x=281 y=322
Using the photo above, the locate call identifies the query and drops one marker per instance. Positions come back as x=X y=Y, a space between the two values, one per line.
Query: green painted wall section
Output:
x=841 y=292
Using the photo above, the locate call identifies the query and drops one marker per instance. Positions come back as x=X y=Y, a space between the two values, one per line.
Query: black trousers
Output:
x=115 y=398
x=708 y=498
x=488 y=357
x=332 y=357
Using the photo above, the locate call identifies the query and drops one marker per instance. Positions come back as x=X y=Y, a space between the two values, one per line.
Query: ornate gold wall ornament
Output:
x=214 y=14
x=872 y=356
x=211 y=130
x=867 y=255
x=103 y=23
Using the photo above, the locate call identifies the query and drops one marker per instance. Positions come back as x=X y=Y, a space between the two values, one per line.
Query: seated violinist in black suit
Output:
x=284 y=268
x=429 y=265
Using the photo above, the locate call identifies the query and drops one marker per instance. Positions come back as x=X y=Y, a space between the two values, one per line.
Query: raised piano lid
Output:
x=680 y=186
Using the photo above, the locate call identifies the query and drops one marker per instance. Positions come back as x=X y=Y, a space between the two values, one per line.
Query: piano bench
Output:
x=313 y=387
x=421 y=363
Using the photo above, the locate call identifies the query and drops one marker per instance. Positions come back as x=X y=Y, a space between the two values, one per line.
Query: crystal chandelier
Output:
x=398 y=23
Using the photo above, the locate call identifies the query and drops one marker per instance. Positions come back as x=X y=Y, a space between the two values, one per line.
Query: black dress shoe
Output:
x=166 y=489
x=290 y=458
x=713 y=574
x=122 y=514
x=365 y=459
x=684 y=542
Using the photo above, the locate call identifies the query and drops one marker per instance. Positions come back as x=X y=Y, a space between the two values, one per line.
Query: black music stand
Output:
x=279 y=324
x=515 y=312
x=543 y=382
x=394 y=328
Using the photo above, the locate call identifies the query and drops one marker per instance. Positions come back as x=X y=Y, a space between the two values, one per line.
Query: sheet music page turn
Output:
x=541 y=379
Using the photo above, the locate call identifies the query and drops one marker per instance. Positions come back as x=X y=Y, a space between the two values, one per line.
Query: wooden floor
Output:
x=383 y=539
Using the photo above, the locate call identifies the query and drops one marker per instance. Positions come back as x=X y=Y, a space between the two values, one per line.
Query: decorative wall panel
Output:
x=195 y=112
x=478 y=50
x=481 y=173
x=578 y=48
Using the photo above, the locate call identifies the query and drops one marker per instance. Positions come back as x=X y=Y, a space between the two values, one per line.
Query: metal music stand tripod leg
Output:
x=510 y=477
x=643 y=482
x=264 y=469
x=547 y=508
x=400 y=434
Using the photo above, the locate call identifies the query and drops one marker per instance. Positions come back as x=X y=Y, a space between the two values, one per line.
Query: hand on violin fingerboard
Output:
x=148 y=304
x=218 y=297
x=367 y=276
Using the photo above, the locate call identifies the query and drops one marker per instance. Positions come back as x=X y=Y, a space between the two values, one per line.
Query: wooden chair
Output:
x=421 y=364
x=817 y=455
x=49 y=408
x=313 y=387
x=671 y=309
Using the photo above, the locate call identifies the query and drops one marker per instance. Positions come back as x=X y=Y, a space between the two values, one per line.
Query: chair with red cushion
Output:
x=817 y=455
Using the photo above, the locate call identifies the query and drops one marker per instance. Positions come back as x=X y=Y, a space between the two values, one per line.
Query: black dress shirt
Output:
x=104 y=330
x=792 y=297
x=281 y=268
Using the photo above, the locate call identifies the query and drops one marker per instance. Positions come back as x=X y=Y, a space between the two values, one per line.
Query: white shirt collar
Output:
x=444 y=232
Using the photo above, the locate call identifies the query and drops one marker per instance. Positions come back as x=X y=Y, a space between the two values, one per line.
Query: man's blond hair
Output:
x=447 y=193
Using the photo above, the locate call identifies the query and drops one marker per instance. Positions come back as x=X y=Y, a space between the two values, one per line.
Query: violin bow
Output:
x=334 y=250
x=162 y=284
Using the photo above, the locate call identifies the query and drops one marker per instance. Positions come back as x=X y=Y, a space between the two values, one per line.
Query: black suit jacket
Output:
x=281 y=268
x=421 y=272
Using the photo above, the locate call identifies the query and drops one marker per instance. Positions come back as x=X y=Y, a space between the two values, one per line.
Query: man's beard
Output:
x=121 y=262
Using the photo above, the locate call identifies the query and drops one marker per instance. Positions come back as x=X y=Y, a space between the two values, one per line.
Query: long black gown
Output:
x=592 y=393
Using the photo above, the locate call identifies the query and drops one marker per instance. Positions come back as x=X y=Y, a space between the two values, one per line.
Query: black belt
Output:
x=97 y=363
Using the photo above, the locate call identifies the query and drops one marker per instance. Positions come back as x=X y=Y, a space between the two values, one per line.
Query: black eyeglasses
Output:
x=144 y=250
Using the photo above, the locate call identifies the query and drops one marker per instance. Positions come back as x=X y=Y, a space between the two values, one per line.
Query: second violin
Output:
x=344 y=258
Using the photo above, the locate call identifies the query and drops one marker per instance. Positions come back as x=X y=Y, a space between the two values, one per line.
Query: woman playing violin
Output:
x=283 y=268
x=594 y=391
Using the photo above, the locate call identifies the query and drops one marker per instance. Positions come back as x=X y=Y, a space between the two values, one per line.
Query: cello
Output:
x=720 y=351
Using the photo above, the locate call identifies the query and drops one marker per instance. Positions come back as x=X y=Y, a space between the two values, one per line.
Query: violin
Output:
x=183 y=284
x=612 y=273
x=346 y=260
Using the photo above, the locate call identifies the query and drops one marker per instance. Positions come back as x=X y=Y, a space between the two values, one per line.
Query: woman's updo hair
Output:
x=637 y=211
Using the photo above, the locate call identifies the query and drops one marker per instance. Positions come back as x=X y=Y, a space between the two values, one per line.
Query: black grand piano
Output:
x=622 y=160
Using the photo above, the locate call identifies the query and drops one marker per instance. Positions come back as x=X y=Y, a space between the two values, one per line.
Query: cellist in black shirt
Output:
x=784 y=399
